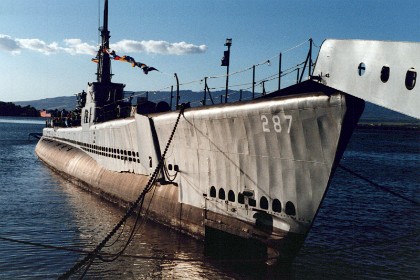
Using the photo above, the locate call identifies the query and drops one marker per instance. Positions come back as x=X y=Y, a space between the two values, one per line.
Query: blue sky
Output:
x=46 y=46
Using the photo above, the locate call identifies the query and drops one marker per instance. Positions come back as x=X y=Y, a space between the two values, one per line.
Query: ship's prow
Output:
x=255 y=170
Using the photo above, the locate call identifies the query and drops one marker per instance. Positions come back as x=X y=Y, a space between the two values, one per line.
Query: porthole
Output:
x=385 y=74
x=290 y=208
x=241 y=198
x=361 y=69
x=264 y=203
x=410 y=78
x=222 y=194
x=213 y=191
x=231 y=196
x=252 y=202
x=129 y=153
x=276 y=205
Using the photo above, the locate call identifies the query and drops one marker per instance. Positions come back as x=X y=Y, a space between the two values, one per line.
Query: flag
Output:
x=146 y=69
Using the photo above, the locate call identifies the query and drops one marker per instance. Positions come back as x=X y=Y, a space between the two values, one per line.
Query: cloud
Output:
x=158 y=47
x=76 y=46
x=7 y=43
x=38 y=45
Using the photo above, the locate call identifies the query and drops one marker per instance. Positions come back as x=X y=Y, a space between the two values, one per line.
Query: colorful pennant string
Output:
x=146 y=69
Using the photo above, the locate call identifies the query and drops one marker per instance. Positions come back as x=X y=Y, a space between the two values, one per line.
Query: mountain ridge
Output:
x=372 y=113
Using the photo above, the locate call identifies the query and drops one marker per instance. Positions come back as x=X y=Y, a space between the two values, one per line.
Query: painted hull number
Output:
x=276 y=124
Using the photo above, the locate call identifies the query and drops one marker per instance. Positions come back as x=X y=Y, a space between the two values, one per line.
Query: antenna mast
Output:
x=103 y=74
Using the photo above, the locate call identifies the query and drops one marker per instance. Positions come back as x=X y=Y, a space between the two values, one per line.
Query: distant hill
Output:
x=61 y=102
x=372 y=113
x=10 y=109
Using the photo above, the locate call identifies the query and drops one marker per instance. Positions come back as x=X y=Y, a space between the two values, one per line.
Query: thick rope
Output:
x=379 y=187
x=92 y=255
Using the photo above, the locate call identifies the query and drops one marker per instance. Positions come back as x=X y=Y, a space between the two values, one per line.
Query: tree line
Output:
x=10 y=109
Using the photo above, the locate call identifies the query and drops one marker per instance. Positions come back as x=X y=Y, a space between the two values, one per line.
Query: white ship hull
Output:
x=257 y=170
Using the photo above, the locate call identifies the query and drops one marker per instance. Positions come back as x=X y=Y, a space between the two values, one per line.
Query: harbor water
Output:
x=367 y=228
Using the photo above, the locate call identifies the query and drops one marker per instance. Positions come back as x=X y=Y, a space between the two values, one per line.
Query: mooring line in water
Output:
x=230 y=260
x=46 y=246
x=118 y=237
x=163 y=258
x=382 y=188
x=88 y=260
x=108 y=257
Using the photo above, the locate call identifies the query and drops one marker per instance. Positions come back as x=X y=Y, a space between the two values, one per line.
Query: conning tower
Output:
x=105 y=100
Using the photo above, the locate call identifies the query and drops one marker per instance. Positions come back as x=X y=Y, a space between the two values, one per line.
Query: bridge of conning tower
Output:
x=104 y=99
x=381 y=72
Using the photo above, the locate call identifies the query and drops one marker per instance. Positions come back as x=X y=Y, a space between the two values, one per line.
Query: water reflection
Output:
x=156 y=252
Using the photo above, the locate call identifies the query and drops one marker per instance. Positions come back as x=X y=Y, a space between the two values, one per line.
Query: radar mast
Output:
x=103 y=74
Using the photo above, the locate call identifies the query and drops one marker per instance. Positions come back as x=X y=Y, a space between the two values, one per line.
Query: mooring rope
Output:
x=309 y=251
x=88 y=260
x=377 y=186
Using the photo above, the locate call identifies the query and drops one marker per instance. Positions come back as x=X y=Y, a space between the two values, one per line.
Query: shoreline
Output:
x=389 y=126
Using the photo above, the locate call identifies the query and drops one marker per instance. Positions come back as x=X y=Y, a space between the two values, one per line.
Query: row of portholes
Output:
x=121 y=154
x=410 y=76
x=110 y=150
x=130 y=159
x=264 y=204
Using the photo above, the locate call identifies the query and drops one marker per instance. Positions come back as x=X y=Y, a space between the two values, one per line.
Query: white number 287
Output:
x=275 y=123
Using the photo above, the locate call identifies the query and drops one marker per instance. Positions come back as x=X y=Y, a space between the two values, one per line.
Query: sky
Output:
x=46 y=46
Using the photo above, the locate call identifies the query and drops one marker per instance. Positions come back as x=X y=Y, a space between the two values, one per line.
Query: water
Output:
x=361 y=232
